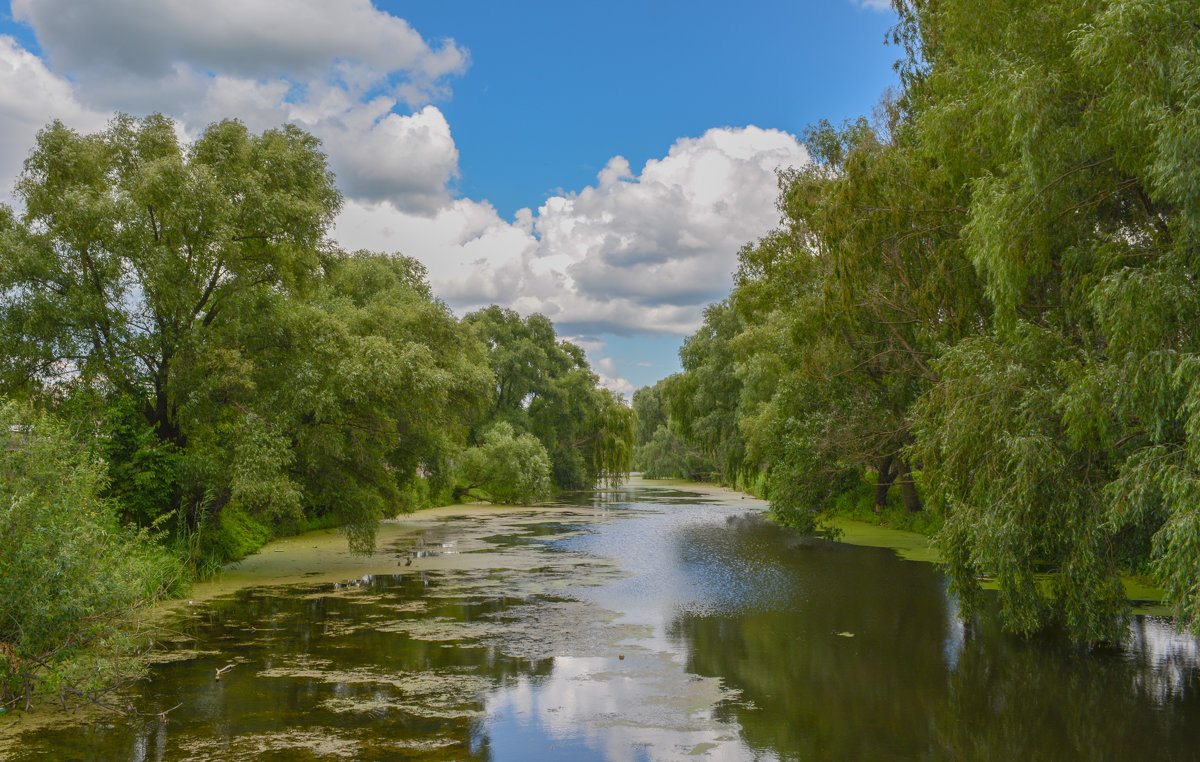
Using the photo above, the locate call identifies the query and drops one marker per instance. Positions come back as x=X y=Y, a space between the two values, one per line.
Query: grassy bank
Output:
x=852 y=519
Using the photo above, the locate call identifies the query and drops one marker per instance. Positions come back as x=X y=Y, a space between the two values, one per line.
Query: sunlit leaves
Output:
x=508 y=467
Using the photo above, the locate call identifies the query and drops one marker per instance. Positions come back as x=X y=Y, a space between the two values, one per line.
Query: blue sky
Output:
x=557 y=89
x=598 y=163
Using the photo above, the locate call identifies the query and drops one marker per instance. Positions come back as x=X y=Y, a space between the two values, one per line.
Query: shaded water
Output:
x=644 y=623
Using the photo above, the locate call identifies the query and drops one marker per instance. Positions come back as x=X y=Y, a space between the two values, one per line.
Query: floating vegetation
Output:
x=674 y=633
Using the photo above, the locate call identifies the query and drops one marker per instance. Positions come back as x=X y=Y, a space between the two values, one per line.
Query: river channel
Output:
x=648 y=622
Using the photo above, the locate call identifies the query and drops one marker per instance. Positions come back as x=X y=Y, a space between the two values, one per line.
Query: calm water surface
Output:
x=638 y=624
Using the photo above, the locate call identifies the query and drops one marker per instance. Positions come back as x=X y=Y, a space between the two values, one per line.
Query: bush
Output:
x=507 y=468
x=71 y=577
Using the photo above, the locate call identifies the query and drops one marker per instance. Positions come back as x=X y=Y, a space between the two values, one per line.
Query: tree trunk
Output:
x=912 y=500
x=885 y=481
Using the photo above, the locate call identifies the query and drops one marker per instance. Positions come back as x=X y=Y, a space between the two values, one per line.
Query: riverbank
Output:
x=323 y=555
x=417 y=541
x=848 y=521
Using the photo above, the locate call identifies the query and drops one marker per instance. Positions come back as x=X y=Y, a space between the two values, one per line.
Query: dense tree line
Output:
x=985 y=298
x=179 y=337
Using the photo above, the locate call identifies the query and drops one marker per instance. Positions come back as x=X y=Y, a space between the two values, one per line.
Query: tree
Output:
x=545 y=386
x=704 y=400
x=660 y=453
x=245 y=373
x=610 y=440
x=134 y=251
x=1060 y=440
x=507 y=467
x=336 y=401
x=132 y=248
x=70 y=576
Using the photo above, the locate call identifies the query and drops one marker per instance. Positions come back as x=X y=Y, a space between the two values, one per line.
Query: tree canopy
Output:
x=986 y=296
x=239 y=372
x=545 y=387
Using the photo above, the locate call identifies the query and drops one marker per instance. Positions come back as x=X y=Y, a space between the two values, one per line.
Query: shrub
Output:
x=509 y=469
x=71 y=577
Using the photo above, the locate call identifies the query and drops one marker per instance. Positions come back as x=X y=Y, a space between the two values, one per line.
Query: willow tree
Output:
x=544 y=386
x=334 y=404
x=844 y=310
x=133 y=246
x=508 y=468
x=1062 y=441
x=704 y=400
x=661 y=453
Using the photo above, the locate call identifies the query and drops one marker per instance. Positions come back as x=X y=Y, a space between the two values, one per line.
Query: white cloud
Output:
x=632 y=254
x=337 y=68
x=30 y=97
x=605 y=368
x=392 y=156
x=637 y=252
x=875 y=5
x=246 y=38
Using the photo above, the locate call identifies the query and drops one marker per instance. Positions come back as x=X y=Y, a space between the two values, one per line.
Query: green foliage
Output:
x=1054 y=443
x=134 y=256
x=703 y=400
x=507 y=467
x=992 y=285
x=132 y=247
x=243 y=365
x=650 y=413
x=354 y=392
x=667 y=456
x=142 y=468
x=610 y=443
x=71 y=577
x=545 y=387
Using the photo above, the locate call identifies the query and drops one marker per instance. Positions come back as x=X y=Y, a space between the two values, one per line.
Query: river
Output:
x=648 y=622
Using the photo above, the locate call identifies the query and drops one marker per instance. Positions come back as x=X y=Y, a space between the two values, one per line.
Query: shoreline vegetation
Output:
x=978 y=313
x=977 y=320
x=181 y=339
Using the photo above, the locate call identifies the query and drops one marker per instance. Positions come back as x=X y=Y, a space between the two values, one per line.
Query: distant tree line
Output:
x=986 y=299
x=189 y=367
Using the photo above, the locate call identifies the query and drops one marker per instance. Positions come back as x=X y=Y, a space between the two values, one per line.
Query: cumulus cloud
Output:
x=247 y=38
x=392 y=156
x=641 y=251
x=30 y=97
x=338 y=68
x=631 y=254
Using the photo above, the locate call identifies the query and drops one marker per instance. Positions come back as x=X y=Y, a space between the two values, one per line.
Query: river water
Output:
x=644 y=623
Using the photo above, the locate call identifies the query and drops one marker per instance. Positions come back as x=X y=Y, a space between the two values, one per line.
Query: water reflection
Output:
x=639 y=707
x=637 y=624
x=1167 y=659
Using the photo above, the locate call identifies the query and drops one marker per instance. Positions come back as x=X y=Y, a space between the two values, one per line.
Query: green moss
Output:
x=1146 y=597
x=908 y=545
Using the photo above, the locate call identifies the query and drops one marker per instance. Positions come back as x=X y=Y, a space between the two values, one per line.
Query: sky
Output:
x=599 y=163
